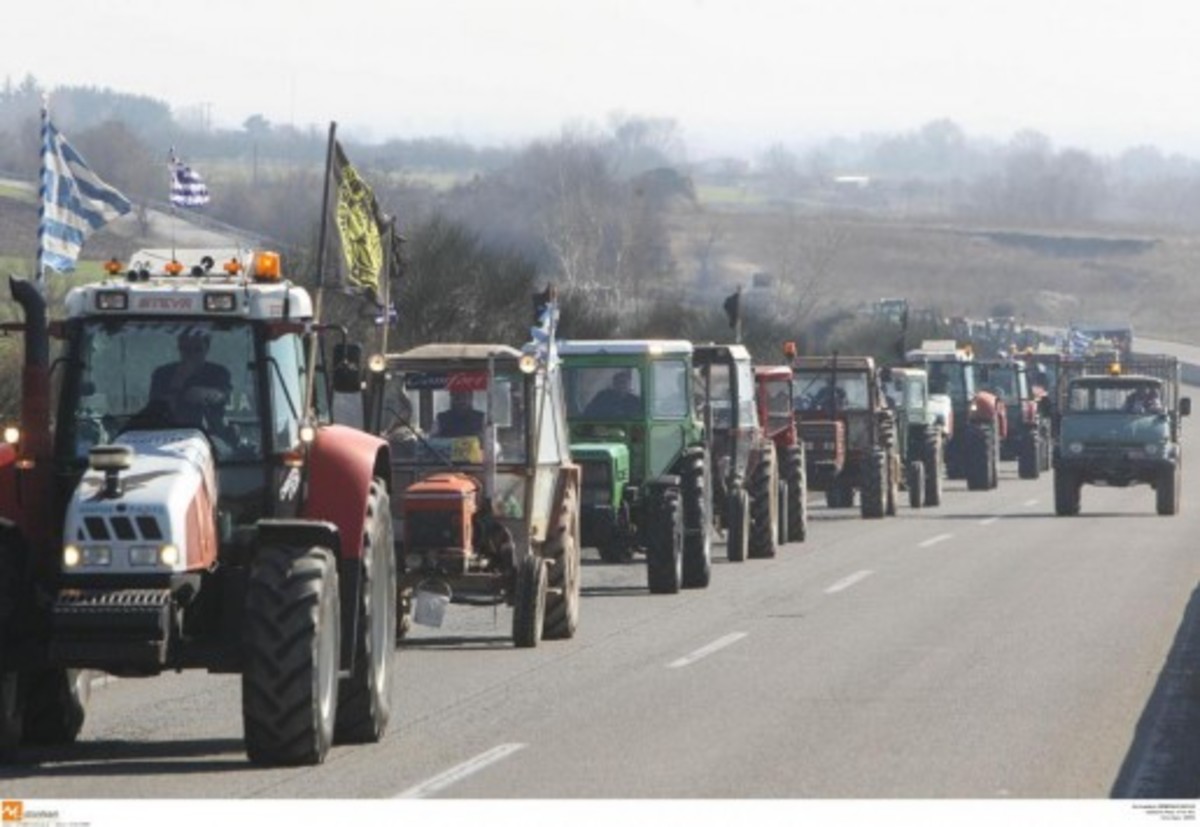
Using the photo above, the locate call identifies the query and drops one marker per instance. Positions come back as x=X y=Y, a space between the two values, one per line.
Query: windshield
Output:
x=815 y=391
x=1123 y=397
x=153 y=374
x=950 y=378
x=441 y=418
x=608 y=392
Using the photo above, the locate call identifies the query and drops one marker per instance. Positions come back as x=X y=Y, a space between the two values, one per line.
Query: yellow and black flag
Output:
x=360 y=227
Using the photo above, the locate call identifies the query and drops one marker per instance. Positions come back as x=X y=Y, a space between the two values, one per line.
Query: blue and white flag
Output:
x=74 y=202
x=1078 y=342
x=187 y=187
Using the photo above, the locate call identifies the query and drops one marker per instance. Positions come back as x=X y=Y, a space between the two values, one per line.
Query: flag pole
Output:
x=39 y=278
x=387 y=283
x=312 y=345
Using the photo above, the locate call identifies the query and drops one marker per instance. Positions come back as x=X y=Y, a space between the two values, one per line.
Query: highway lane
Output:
x=985 y=649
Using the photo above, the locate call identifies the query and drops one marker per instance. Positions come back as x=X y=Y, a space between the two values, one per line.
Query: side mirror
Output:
x=347 y=368
x=1185 y=406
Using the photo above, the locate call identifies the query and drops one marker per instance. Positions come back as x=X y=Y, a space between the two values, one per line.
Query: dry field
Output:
x=1048 y=276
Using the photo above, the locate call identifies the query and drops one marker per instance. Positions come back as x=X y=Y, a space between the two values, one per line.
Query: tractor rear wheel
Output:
x=529 y=602
x=1029 y=461
x=916 y=483
x=697 y=527
x=935 y=467
x=797 y=494
x=292 y=647
x=365 y=697
x=737 y=525
x=764 y=505
x=562 y=597
x=664 y=557
x=978 y=456
x=874 y=485
x=1066 y=493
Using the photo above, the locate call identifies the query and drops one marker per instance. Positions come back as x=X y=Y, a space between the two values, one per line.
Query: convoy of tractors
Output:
x=185 y=490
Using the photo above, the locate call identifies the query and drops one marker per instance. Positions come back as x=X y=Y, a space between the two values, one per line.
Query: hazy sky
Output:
x=738 y=75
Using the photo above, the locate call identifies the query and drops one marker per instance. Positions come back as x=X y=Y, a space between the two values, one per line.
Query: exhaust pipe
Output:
x=35 y=374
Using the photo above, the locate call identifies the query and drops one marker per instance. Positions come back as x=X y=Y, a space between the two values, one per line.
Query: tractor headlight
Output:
x=167 y=555
x=85 y=556
x=1075 y=447
x=12 y=434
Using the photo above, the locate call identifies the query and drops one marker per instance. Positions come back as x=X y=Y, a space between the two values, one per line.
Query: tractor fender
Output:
x=9 y=507
x=985 y=408
x=342 y=462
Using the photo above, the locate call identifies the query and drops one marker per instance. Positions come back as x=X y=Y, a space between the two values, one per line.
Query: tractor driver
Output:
x=618 y=400
x=193 y=389
x=461 y=418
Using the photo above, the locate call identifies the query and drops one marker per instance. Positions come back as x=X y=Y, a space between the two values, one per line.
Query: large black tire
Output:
x=979 y=458
x=874 y=485
x=838 y=495
x=935 y=469
x=564 y=577
x=615 y=547
x=797 y=494
x=764 y=505
x=13 y=561
x=1066 y=493
x=697 y=527
x=1029 y=458
x=55 y=705
x=292 y=643
x=1166 y=492
x=892 y=491
x=993 y=435
x=1045 y=443
x=365 y=697
x=916 y=484
x=664 y=557
x=529 y=602
x=737 y=525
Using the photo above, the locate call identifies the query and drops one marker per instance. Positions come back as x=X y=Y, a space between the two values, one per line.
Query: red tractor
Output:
x=198 y=512
x=774 y=396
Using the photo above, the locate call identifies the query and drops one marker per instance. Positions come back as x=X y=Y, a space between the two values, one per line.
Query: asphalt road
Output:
x=984 y=649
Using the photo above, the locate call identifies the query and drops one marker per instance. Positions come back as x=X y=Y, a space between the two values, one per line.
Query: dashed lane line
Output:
x=705 y=651
x=458 y=773
x=933 y=541
x=847 y=582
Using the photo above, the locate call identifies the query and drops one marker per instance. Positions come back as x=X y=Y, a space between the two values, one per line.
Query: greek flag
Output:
x=1077 y=342
x=187 y=187
x=74 y=202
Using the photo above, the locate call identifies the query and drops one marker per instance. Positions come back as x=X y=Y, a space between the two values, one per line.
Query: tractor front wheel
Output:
x=292 y=641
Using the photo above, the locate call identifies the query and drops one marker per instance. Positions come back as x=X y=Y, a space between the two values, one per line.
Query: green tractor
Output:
x=646 y=477
x=919 y=432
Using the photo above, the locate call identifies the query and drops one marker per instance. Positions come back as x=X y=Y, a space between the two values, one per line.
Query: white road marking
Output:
x=933 y=541
x=847 y=582
x=102 y=680
x=463 y=770
x=1030 y=503
x=705 y=651
x=990 y=520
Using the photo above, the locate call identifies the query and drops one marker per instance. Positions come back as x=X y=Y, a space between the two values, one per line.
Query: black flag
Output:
x=733 y=307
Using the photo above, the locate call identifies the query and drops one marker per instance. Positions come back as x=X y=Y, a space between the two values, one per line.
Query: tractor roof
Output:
x=772 y=372
x=827 y=363
x=624 y=347
x=222 y=283
x=425 y=356
x=709 y=352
